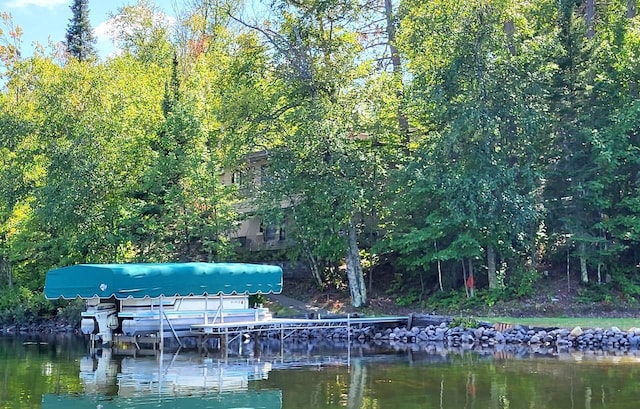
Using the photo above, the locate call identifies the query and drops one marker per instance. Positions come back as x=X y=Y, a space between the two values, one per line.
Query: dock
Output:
x=226 y=332
x=291 y=325
x=286 y=327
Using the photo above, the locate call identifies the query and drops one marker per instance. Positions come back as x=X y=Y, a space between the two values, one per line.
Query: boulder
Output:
x=576 y=332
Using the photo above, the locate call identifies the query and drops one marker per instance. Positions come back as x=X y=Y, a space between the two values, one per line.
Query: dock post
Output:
x=92 y=343
x=256 y=346
x=224 y=343
x=349 y=340
x=161 y=325
x=281 y=342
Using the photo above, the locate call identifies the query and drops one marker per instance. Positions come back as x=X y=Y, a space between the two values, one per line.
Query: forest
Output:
x=440 y=149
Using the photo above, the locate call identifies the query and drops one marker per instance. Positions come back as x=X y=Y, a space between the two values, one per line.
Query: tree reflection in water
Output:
x=59 y=373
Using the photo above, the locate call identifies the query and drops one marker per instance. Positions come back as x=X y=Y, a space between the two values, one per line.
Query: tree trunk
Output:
x=358 y=386
x=464 y=278
x=354 y=271
x=491 y=267
x=471 y=280
x=509 y=29
x=568 y=272
x=435 y=245
x=403 y=122
x=315 y=272
x=6 y=270
x=590 y=17
x=582 y=253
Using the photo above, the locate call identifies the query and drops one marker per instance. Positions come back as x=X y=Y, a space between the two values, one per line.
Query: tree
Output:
x=470 y=190
x=587 y=88
x=614 y=141
x=185 y=212
x=143 y=31
x=315 y=161
x=80 y=37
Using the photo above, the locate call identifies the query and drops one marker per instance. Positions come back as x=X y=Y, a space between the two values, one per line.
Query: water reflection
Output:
x=177 y=374
x=48 y=374
x=246 y=400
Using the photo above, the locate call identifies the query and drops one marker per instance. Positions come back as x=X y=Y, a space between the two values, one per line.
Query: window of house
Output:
x=270 y=233
x=236 y=178
x=263 y=174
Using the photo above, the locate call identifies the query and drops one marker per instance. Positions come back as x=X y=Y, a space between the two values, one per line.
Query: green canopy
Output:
x=166 y=279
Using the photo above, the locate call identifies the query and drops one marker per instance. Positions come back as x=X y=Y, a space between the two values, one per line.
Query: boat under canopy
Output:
x=154 y=280
x=138 y=299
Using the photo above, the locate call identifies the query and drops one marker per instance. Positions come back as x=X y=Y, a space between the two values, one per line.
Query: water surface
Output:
x=61 y=373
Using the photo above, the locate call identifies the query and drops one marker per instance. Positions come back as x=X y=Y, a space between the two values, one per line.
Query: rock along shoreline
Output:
x=425 y=329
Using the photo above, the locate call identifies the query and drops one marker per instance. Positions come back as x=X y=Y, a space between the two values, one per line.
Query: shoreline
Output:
x=424 y=330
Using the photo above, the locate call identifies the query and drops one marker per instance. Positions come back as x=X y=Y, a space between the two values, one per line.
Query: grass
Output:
x=568 y=322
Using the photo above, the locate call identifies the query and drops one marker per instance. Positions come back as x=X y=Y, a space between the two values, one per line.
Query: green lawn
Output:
x=568 y=322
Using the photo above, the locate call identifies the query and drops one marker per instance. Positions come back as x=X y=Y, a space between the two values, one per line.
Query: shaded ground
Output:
x=553 y=296
x=295 y=306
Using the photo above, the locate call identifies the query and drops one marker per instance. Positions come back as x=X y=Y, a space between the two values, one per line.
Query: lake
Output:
x=61 y=373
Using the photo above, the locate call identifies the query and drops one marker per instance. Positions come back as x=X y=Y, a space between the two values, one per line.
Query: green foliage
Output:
x=522 y=150
x=71 y=311
x=521 y=282
x=494 y=295
x=595 y=294
x=403 y=290
x=628 y=287
x=465 y=322
x=408 y=299
x=21 y=306
x=447 y=301
x=142 y=31
x=621 y=289
x=257 y=299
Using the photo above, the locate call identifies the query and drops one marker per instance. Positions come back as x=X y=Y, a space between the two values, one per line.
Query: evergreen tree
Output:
x=80 y=38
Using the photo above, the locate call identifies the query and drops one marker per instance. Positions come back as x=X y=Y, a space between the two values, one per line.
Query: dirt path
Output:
x=297 y=305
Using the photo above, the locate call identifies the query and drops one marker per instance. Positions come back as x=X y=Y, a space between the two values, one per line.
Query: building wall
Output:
x=252 y=233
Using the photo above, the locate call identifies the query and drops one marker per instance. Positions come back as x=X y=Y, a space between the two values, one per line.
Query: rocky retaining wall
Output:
x=485 y=335
x=445 y=333
x=60 y=326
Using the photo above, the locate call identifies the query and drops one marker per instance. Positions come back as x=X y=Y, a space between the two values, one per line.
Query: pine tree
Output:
x=80 y=38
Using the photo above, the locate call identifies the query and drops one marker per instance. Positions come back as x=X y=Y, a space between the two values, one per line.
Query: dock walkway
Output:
x=290 y=325
x=226 y=332
x=286 y=327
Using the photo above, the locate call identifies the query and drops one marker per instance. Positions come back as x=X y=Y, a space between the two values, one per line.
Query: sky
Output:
x=42 y=20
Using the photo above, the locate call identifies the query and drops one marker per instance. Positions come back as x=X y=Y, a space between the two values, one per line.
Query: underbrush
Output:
x=527 y=293
x=20 y=305
x=23 y=306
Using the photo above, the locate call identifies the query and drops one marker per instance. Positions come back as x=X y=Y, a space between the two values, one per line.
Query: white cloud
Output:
x=38 y=3
x=104 y=30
